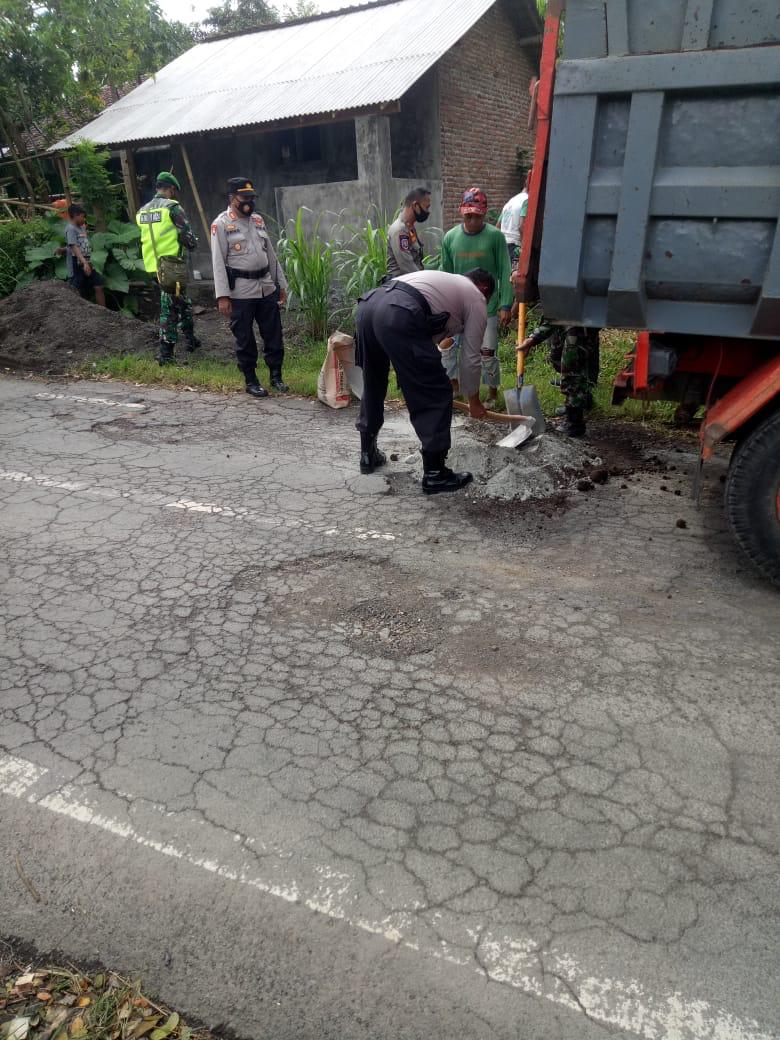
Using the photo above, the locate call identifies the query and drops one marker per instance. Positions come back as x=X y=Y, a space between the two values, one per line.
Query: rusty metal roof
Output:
x=359 y=58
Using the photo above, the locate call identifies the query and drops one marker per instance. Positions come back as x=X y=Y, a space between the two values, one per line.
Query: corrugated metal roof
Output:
x=353 y=59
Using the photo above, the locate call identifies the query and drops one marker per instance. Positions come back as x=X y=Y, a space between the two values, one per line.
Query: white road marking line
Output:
x=133 y=406
x=190 y=506
x=513 y=960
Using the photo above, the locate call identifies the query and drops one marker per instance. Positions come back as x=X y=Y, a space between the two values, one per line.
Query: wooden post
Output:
x=195 y=192
x=130 y=181
x=64 y=178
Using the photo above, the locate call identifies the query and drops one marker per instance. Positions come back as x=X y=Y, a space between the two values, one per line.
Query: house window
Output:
x=301 y=145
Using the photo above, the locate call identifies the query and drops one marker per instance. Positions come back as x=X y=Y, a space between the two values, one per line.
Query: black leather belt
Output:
x=253 y=276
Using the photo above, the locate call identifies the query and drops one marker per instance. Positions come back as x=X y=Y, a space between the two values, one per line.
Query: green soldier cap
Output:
x=166 y=179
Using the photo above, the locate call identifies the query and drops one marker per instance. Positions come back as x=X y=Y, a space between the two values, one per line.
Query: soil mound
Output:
x=47 y=327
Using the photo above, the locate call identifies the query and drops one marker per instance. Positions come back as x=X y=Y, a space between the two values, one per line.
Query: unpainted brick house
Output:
x=341 y=113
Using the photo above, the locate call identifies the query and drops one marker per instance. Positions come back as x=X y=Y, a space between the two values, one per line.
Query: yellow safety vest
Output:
x=159 y=234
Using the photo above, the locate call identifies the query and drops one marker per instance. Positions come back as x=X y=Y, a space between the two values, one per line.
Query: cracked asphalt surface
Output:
x=319 y=757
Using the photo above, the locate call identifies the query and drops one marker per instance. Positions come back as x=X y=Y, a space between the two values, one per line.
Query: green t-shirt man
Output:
x=475 y=243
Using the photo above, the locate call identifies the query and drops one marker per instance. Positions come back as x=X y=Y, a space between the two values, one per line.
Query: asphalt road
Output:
x=318 y=757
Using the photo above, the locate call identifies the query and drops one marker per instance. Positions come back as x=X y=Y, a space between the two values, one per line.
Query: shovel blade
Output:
x=520 y=433
x=530 y=405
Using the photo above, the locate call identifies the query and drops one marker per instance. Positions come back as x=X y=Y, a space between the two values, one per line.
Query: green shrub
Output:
x=16 y=236
x=114 y=256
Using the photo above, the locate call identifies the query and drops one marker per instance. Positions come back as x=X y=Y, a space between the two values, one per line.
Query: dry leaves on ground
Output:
x=59 y=1003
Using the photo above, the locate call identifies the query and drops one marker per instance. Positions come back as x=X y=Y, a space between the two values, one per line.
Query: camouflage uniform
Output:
x=574 y=352
x=176 y=311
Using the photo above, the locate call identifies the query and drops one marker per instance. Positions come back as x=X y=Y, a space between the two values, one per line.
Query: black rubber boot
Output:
x=255 y=390
x=193 y=343
x=278 y=383
x=165 y=354
x=438 y=478
x=574 y=424
x=371 y=457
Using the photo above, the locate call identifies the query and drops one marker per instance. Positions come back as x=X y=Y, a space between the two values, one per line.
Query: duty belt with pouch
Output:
x=435 y=323
x=253 y=276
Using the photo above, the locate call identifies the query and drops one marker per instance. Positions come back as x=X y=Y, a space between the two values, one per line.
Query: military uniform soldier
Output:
x=404 y=249
x=249 y=284
x=574 y=352
x=165 y=231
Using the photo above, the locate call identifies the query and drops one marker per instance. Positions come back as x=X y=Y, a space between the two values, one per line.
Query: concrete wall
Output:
x=483 y=107
x=395 y=153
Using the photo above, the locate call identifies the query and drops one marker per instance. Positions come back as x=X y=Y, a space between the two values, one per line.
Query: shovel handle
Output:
x=494 y=416
x=521 y=322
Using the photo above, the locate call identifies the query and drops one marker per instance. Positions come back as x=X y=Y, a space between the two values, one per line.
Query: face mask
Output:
x=422 y=216
x=247 y=208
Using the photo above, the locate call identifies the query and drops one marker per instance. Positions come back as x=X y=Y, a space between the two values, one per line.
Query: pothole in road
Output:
x=377 y=607
x=133 y=429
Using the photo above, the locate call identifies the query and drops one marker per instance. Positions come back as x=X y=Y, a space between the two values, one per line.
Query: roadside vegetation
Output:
x=51 y=1002
x=304 y=357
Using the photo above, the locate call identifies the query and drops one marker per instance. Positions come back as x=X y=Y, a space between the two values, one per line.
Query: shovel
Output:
x=523 y=399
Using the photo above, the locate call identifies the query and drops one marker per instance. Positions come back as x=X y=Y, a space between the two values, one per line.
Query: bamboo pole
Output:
x=193 y=185
x=130 y=182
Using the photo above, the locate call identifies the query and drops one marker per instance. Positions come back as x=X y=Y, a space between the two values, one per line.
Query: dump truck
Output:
x=654 y=206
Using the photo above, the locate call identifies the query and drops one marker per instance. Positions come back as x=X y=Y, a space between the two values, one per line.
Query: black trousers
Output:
x=392 y=329
x=265 y=311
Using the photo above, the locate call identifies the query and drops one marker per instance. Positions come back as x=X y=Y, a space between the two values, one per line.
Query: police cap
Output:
x=167 y=180
x=241 y=186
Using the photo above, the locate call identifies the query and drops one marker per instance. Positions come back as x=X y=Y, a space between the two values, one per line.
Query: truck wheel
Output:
x=753 y=497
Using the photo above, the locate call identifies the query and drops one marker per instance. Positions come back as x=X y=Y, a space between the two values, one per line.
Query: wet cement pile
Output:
x=543 y=468
x=47 y=327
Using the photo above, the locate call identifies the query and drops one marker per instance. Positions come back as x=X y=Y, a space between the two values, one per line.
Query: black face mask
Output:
x=247 y=207
x=422 y=216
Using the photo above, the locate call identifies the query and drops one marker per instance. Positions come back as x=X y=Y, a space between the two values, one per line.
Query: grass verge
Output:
x=303 y=361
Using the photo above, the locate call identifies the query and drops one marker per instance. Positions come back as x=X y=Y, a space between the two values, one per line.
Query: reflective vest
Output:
x=155 y=219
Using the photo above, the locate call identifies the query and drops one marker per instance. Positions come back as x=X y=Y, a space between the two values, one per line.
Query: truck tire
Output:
x=753 y=497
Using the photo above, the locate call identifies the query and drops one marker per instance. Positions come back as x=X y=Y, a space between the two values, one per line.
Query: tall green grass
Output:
x=361 y=262
x=308 y=263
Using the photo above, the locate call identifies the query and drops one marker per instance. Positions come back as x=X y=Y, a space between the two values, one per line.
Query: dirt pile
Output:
x=47 y=327
x=542 y=469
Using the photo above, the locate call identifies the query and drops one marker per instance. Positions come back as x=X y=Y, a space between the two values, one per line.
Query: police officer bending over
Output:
x=400 y=324
x=249 y=284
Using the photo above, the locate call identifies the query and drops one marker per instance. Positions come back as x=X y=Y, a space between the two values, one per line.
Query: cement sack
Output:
x=339 y=374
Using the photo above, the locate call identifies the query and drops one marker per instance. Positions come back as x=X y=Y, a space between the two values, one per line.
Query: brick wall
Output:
x=483 y=110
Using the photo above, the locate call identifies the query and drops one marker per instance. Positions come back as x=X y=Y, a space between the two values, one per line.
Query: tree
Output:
x=57 y=55
x=240 y=15
x=236 y=15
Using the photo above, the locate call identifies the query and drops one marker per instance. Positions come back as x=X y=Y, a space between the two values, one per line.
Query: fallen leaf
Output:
x=99 y=981
x=167 y=1029
x=143 y=1027
x=84 y=1001
x=125 y=1011
x=16 y=1029
x=141 y=1002
x=54 y=1018
x=67 y=999
x=77 y=1027
x=43 y=994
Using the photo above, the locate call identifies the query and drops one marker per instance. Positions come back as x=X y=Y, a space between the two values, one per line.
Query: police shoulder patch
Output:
x=259 y=222
x=405 y=243
x=214 y=229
